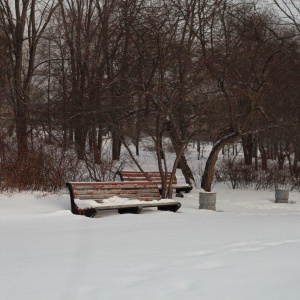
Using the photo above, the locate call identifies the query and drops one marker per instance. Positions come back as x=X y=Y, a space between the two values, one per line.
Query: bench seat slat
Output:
x=148 y=199
x=148 y=196
x=112 y=192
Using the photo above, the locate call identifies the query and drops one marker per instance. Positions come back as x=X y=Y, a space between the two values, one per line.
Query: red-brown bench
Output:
x=146 y=192
x=155 y=177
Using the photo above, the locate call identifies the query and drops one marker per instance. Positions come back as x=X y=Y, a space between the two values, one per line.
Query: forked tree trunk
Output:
x=182 y=163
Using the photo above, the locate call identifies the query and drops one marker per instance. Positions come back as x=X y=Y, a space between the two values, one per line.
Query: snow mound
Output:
x=115 y=200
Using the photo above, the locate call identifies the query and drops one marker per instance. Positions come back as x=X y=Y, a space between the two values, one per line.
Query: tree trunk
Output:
x=185 y=168
x=208 y=175
x=263 y=154
x=80 y=139
x=280 y=155
x=295 y=163
x=255 y=155
x=21 y=129
x=94 y=144
x=247 y=142
x=116 y=145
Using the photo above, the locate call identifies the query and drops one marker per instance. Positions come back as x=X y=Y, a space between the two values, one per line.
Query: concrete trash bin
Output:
x=207 y=200
x=281 y=196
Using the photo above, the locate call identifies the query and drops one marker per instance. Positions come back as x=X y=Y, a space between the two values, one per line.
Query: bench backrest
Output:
x=154 y=177
x=98 y=191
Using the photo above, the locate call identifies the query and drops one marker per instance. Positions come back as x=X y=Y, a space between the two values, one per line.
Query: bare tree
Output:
x=241 y=59
x=290 y=10
x=23 y=23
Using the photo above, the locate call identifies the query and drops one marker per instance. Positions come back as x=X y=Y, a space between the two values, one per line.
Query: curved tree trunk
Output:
x=208 y=175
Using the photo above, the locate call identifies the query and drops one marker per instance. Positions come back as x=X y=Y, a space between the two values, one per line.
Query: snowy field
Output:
x=248 y=249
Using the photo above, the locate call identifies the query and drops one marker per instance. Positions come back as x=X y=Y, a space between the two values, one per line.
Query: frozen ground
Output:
x=248 y=249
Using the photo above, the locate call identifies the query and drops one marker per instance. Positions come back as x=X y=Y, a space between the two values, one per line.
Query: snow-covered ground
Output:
x=248 y=249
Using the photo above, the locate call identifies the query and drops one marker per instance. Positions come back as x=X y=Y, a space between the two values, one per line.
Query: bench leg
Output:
x=173 y=207
x=91 y=212
x=179 y=194
x=130 y=210
x=188 y=189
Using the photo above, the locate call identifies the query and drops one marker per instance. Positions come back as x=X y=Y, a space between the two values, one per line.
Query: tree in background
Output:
x=170 y=70
x=23 y=24
x=242 y=57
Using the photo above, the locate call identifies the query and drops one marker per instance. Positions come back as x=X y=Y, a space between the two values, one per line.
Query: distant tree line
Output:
x=222 y=71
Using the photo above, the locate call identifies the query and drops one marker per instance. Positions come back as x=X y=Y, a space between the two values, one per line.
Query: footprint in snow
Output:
x=246 y=247
x=197 y=253
x=257 y=246
x=281 y=242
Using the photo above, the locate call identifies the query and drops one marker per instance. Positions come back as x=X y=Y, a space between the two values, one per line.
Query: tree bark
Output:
x=208 y=175
x=263 y=154
x=247 y=142
x=183 y=165
x=116 y=145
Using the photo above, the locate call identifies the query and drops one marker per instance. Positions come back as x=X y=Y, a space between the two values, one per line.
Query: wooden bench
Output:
x=145 y=194
x=154 y=177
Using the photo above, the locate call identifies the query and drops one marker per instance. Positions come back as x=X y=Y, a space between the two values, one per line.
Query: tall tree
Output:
x=24 y=23
x=241 y=59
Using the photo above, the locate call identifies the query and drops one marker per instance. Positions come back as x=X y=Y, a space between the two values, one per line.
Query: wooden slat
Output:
x=128 y=185
x=143 y=177
x=124 y=194
x=102 y=183
x=153 y=180
x=100 y=200
x=129 y=196
x=112 y=191
x=139 y=176
x=112 y=184
x=104 y=190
